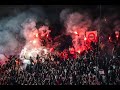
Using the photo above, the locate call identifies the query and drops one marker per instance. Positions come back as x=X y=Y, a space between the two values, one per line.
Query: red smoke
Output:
x=38 y=40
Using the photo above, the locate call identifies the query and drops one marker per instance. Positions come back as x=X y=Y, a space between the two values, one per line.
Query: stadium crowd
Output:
x=85 y=70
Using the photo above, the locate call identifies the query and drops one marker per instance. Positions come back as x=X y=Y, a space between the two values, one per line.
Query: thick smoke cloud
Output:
x=64 y=14
x=77 y=20
x=11 y=29
x=76 y=25
x=7 y=42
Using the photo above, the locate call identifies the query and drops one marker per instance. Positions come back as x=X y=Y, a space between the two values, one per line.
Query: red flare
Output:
x=76 y=32
x=36 y=35
x=34 y=42
x=78 y=51
x=85 y=38
x=47 y=35
x=117 y=36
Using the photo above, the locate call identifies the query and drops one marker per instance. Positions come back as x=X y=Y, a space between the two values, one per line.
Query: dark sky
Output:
x=49 y=9
x=54 y=10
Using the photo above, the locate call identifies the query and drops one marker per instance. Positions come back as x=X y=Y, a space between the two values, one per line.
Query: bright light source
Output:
x=34 y=42
x=117 y=36
x=36 y=35
x=76 y=32
x=85 y=38
x=78 y=51
x=25 y=61
x=45 y=51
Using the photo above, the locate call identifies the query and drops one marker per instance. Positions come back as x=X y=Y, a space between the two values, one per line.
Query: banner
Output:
x=91 y=36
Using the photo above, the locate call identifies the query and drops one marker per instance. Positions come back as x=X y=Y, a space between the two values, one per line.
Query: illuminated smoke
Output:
x=76 y=25
x=64 y=13
x=33 y=46
x=20 y=30
x=12 y=38
x=8 y=43
x=3 y=59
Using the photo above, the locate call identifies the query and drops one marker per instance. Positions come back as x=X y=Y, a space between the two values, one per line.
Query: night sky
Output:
x=53 y=11
x=50 y=10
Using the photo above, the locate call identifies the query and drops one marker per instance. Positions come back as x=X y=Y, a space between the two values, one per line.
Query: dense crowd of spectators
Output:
x=89 y=69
